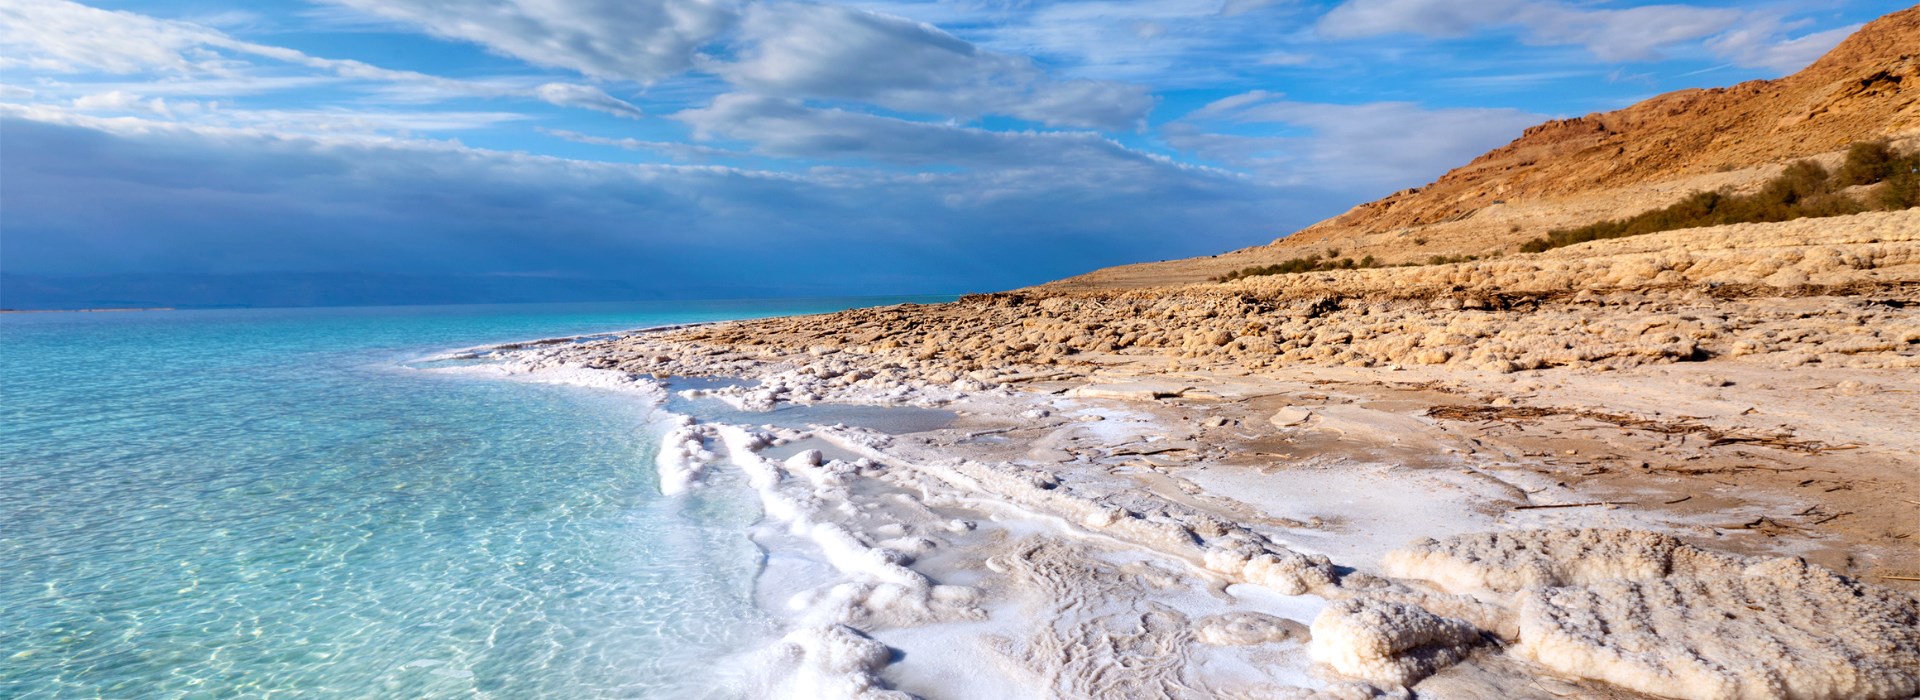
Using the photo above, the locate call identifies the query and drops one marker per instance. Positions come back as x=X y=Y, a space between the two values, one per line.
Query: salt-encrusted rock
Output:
x=1512 y=561
x=1285 y=571
x=1652 y=613
x=1388 y=642
x=831 y=661
x=1780 y=628
x=1238 y=629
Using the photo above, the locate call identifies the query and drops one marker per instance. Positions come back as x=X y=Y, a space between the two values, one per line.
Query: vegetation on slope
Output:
x=1332 y=261
x=1311 y=263
x=1803 y=190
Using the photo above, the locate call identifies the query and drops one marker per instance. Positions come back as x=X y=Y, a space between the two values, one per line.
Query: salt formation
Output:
x=1388 y=642
x=831 y=662
x=682 y=457
x=880 y=586
x=1779 y=628
x=1511 y=561
x=1225 y=548
x=1285 y=571
x=1654 y=614
x=1246 y=629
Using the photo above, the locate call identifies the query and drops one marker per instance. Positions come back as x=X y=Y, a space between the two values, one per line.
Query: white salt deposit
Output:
x=879 y=586
x=1512 y=561
x=1388 y=642
x=1654 y=614
x=682 y=457
x=1779 y=628
x=828 y=662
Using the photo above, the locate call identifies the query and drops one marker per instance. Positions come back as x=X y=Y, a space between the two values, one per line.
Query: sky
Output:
x=714 y=148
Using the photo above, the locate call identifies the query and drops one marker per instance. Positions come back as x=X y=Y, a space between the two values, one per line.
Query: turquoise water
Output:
x=266 y=502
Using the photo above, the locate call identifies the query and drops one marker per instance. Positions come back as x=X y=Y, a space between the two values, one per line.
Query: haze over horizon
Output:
x=214 y=152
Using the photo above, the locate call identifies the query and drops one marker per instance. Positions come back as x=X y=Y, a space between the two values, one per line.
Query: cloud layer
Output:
x=236 y=201
x=693 y=147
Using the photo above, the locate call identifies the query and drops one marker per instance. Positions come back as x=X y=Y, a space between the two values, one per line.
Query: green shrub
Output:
x=1902 y=189
x=1804 y=189
x=1311 y=263
x=1868 y=162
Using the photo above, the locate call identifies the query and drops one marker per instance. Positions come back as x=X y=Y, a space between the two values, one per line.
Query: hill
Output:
x=1573 y=172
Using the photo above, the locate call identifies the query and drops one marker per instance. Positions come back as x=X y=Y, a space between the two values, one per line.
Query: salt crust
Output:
x=828 y=661
x=683 y=456
x=1246 y=629
x=1637 y=609
x=880 y=587
x=1388 y=642
x=1651 y=613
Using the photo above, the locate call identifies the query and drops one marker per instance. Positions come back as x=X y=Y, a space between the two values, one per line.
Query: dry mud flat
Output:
x=1679 y=467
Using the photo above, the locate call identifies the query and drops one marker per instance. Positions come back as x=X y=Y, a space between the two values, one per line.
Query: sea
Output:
x=281 y=503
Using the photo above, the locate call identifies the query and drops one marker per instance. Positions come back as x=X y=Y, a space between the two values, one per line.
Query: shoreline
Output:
x=1219 y=483
x=1639 y=467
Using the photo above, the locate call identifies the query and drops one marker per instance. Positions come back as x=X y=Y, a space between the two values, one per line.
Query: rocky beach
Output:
x=1628 y=467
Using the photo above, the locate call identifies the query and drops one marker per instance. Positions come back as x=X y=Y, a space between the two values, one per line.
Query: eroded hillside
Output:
x=1577 y=171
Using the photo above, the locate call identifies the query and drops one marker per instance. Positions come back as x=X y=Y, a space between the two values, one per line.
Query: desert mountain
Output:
x=1601 y=166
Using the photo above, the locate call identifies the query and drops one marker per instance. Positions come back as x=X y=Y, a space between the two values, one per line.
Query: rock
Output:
x=1291 y=416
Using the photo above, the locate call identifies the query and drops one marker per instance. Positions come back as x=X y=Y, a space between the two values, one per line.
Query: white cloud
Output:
x=1284 y=58
x=672 y=149
x=1235 y=8
x=113 y=100
x=65 y=37
x=164 y=196
x=1365 y=18
x=1380 y=146
x=821 y=51
x=1750 y=38
x=785 y=127
x=1166 y=42
x=568 y=95
x=1761 y=43
x=640 y=40
x=54 y=35
x=1630 y=34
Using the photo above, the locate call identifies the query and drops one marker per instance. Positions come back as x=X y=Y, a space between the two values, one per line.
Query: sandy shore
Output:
x=1628 y=469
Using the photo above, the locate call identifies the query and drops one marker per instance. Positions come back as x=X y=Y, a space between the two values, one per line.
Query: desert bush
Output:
x=1868 y=162
x=1311 y=263
x=1803 y=190
x=1902 y=188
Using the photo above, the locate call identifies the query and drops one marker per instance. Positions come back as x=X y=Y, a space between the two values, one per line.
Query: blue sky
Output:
x=699 y=146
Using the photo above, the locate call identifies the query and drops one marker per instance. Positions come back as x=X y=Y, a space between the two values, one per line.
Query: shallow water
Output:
x=220 y=503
